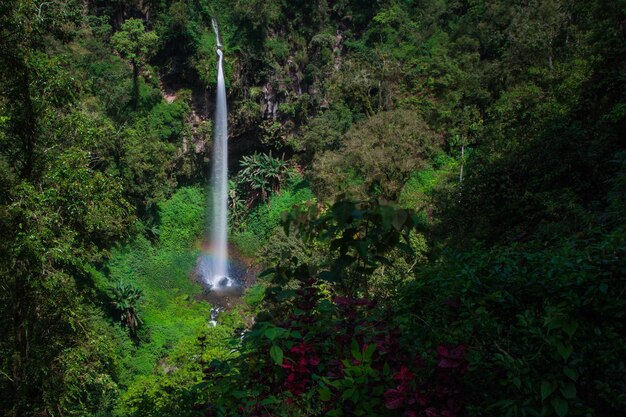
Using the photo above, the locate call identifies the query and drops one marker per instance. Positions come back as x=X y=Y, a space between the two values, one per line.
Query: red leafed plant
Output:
x=438 y=397
x=346 y=351
x=300 y=365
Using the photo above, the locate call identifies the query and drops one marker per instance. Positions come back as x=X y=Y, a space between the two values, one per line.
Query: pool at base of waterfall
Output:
x=214 y=282
x=222 y=282
x=223 y=290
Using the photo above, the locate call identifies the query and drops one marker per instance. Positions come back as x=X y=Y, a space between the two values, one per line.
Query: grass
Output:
x=169 y=309
x=171 y=312
x=165 y=356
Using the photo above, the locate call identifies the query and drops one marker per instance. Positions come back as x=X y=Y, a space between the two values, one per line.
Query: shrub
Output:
x=181 y=217
x=261 y=175
x=544 y=323
x=419 y=191
x=125 y=299
x=383 y=151
x=324 y=132
x=260 y=224
x=311 y=353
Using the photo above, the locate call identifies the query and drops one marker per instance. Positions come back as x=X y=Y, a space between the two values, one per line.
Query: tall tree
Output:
x=136 y=45
x=50 y=226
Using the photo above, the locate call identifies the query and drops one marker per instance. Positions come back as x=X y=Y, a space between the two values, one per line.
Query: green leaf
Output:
x=269 y=400
x=328 y=276
x=570 y=373
x=547 y=388
x=355 y=396
x=361 y=247
x=399 y=218
x=386 y=369
x=325 y=394
x=285 y=295
x=240 y=394
x=277 y=354
x=349 y=394
x=569 y=391
x=367 y=355
x=267 y=272
x=564 y=350
x=272 y=333
x=570 y=328
x=560 y=406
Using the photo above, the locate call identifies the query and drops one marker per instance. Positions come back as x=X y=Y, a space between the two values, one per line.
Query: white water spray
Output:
x=216 y=273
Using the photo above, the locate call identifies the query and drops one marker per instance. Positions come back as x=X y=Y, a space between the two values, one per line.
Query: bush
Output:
x=318 y=348
x=181 y=217
x=419 y=192
x=543 y=321
x=126 y=300
x=383 y=151
x=324 y=132
x=260 y=224
x=260 y=176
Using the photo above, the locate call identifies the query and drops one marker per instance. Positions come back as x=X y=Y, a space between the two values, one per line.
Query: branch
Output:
x=41 y=9
x=6 y=375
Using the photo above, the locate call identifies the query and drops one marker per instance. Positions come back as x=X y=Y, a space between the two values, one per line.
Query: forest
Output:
x=426 y=206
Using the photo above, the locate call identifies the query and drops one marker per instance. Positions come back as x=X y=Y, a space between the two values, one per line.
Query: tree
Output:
x=377 y=157
x=463 y=134
x=125 y=300
x=136 y=45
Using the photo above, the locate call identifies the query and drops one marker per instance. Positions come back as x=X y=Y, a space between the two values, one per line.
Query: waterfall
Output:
x=216 y=274
x=217 y=33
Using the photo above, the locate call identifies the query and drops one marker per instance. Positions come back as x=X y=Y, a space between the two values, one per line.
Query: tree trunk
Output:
x=135 y=84
x=20 y=356
x=462 y=157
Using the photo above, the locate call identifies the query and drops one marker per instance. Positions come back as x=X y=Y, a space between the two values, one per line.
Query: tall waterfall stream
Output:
x=214 y=268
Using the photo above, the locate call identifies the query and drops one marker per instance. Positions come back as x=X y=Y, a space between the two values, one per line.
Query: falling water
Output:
x=217 y=33
x=215 y=271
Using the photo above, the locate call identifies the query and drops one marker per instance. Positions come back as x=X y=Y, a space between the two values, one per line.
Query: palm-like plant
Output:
x=261 y=174
x=126 y=299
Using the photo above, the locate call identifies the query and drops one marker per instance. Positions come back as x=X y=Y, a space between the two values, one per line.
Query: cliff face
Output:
x=267 y=113
x=283 y=64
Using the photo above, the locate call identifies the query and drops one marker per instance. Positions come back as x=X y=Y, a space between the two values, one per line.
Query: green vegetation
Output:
x=260 y=175
x=262 y=222
x=125 y=300
x=136 y=45
x=164 y=356
x=435 y=189
x=382 y=151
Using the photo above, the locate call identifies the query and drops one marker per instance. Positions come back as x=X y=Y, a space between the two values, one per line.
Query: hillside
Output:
x=426 y=208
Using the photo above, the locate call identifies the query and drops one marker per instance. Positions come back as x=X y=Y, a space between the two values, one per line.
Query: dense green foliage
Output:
x=458 y=242
x=164 y=355
x=134 y=44
x=263 y=221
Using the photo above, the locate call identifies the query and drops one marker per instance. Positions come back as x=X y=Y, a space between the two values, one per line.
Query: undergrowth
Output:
x=173 y=316
x=259 y=225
